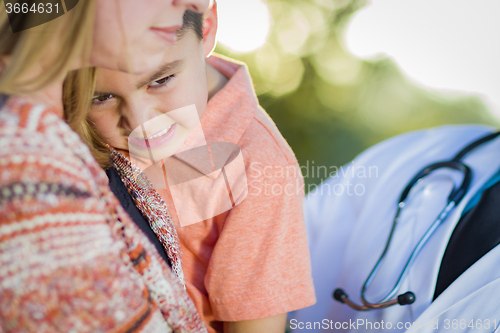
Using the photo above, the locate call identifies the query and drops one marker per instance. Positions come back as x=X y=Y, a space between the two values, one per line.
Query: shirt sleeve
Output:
x=260 y=265
x=69 y=263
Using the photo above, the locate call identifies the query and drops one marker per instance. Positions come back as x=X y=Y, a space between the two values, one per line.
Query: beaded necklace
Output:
x=152 y=206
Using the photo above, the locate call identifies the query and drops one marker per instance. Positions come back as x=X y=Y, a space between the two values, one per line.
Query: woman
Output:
x=70 y=258
x=217 y=279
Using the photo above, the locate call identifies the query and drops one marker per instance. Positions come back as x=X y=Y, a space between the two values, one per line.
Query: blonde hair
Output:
x=65 y=39
x=77 y=95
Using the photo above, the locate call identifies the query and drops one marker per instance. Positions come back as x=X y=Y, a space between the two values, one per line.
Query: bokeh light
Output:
x=338 y=76
x=243 y=24
x=446 y=44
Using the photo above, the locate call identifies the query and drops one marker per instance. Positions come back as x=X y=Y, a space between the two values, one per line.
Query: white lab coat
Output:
x=347 y=233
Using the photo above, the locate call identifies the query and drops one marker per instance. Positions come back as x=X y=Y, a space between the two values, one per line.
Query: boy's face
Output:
x=124 y=104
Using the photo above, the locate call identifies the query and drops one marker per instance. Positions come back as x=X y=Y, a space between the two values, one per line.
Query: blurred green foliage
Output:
x=329 y=105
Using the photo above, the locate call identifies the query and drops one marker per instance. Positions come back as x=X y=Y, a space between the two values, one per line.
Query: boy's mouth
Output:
x=156 y=140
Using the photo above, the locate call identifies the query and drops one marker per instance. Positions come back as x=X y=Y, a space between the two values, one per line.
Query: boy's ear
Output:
x=210 y=30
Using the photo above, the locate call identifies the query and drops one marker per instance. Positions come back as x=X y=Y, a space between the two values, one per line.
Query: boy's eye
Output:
x=101 y=98
x=161 y=82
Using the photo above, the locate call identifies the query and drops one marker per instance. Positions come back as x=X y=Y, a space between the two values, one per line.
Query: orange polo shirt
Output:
x=251 y=261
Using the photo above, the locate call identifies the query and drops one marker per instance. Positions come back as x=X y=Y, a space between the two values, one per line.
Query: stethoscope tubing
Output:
x=442 y=216
x=455 y=197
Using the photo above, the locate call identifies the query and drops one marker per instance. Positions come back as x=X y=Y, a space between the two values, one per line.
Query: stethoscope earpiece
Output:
x=404 y=299
x=339 y=295
x=407 y=298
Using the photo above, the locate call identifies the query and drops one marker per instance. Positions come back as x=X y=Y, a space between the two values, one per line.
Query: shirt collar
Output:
x=227 y=115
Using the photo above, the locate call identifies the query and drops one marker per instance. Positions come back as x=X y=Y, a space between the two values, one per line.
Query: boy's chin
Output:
x=150 y=157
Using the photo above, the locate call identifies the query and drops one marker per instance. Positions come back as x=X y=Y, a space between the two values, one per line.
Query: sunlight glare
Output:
x=451 y=45
x=243 y=24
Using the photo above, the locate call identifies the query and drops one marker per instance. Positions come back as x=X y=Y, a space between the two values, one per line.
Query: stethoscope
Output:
x=454 y=199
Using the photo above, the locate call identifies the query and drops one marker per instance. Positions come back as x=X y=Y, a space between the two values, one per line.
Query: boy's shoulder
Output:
x=262 y=142
x=234 y=115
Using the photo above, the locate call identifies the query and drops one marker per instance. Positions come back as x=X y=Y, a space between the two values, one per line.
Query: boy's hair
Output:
x=194 y=21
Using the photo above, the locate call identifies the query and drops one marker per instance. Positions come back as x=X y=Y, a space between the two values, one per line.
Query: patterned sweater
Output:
x=71 y=260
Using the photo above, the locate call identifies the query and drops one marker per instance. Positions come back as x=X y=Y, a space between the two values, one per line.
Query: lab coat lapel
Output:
x=473 y=296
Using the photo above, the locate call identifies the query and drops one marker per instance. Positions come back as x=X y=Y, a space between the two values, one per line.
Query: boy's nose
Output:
x=199 y=6
x=133 y=117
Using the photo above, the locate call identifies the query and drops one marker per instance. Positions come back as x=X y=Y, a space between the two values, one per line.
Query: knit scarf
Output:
x=151 y=205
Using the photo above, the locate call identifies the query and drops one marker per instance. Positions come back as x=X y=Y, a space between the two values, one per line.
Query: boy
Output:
x=247 y=266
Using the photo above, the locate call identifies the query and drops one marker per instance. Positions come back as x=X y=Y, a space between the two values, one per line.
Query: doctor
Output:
x=455 y=277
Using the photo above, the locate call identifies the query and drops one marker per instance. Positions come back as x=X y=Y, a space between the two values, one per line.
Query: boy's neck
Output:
x=215 y=79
